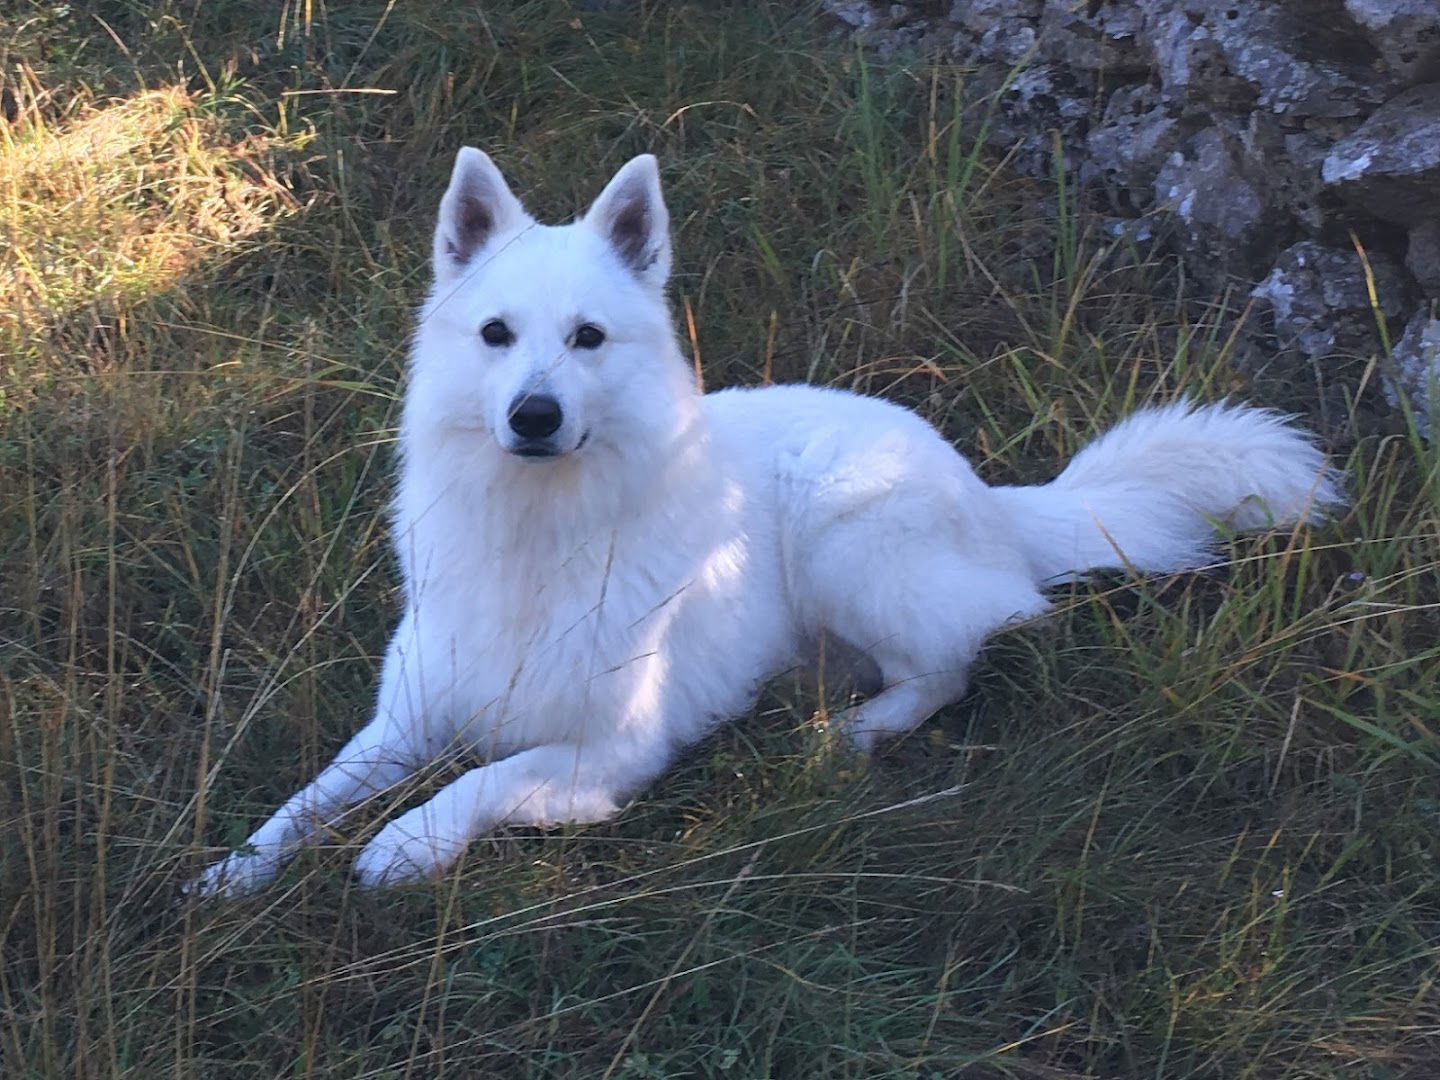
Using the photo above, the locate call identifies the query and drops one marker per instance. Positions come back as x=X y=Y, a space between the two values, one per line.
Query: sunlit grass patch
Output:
x=120 y=202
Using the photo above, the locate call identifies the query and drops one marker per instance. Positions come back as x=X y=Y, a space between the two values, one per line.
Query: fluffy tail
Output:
x=1150 y=492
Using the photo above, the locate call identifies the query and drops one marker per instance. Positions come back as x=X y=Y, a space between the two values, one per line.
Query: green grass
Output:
x=1182 y=828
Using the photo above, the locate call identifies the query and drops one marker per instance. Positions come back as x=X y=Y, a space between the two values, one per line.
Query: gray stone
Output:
x=1390 y=165
x=1009 y=42
x=1105 y=38
x=1295 y=164
x=1130 y=145
x=1032 y=108
x=1236 y=127
x=1262 y=54
x=857 y=13
x=1422 y=256
x=1230 y=216
x=1406 y=33
x=1415 y=369
x=1320 y=298
x=982 y=16
x=905 y=30
x=1133 y=231
x=1287 y=165
x=1192 y=66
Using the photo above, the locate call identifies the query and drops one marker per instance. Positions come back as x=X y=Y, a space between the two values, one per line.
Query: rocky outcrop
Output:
x=1294 y=144
x=1320 y=297
x=1416 y=370
x=1390 y=165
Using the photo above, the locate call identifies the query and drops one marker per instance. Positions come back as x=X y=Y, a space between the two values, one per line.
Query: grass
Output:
x=1182 y=828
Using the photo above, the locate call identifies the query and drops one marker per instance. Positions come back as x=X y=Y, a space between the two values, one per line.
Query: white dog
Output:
x=601 y=565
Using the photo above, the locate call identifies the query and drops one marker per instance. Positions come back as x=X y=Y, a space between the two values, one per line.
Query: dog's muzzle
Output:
x=544 y=448
x=535 y=450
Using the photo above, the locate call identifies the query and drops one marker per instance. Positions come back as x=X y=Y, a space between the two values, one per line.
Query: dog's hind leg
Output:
x=545 y=785
x=924 y=624
x=890 y=542
x=903 y=705
x=922 y=613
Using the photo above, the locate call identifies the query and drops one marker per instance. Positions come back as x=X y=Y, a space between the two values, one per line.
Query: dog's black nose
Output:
x=535 y=416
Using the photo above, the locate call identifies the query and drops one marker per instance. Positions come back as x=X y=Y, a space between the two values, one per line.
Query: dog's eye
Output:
x=589 y=337
x=496 y=332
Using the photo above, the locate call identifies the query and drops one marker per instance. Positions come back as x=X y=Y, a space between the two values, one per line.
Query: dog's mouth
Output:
x=537 y=449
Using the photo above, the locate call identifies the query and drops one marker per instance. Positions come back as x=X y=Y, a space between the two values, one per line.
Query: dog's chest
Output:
x=545 y=643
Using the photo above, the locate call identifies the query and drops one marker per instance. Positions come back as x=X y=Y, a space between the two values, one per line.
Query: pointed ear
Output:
x=630 y=214
x=476 y=207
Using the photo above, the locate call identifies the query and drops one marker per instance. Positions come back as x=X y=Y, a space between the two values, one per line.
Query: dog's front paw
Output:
x=238 y=874
x=407 y=849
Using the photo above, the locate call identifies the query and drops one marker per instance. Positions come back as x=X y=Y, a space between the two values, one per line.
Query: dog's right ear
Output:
x=476 y=207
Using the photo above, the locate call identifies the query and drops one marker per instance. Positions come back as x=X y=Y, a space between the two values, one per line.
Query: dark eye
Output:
x=496 y=332
x=589 y=337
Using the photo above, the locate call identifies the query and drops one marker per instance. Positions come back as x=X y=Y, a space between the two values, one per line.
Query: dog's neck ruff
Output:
x=548 y=509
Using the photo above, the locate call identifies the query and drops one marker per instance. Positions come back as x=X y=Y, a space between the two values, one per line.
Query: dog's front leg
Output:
x=413 y=704
x=370 y=762
x=367 y=765
x=545 y=785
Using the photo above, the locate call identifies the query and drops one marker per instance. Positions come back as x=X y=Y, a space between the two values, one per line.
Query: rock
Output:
x=1128 y=230
x=1231 y=217
x=1390 y=165
x=1258 y=54
x=857 y=13
x=1287 y=165
x=1130 y=145
x=981 y=16
x=1415 y=369
x=1095 y=38
x=1320 y=298
x=1422 y=256
x=1253 y=135
x=1032 y=108
x=892 y=30
x=1295 y=165
x=1192 y=66
x=1009 y=42
x=1405 y=32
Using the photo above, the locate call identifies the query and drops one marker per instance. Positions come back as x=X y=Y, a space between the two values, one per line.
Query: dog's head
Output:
x=548 y=338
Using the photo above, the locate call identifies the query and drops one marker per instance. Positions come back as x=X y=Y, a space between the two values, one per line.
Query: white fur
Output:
x=580 y=620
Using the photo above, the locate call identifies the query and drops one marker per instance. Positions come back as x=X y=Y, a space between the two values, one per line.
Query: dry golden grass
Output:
x=119 y=201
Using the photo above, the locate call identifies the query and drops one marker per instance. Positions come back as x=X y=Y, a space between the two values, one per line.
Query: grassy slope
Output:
x=1196 y=834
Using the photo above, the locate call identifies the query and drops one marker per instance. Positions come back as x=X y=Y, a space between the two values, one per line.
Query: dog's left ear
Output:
x=630 y=213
